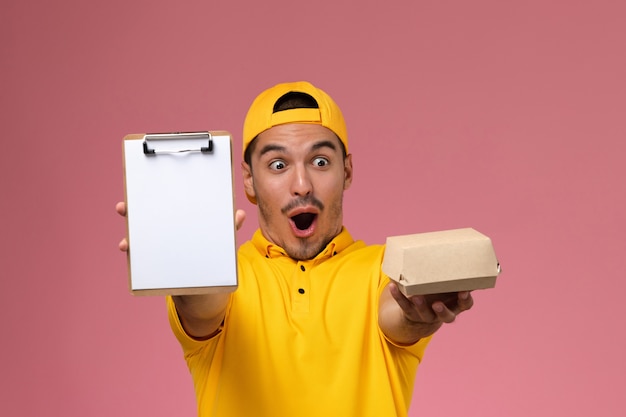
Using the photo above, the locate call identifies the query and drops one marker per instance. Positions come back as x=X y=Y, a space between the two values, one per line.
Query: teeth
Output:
x=303 y=221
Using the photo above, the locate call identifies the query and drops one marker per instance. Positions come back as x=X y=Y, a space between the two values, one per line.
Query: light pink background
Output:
x=508 y=117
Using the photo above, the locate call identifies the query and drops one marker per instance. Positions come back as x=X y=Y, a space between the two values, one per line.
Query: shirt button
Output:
x=301 y=290
x=302 y=267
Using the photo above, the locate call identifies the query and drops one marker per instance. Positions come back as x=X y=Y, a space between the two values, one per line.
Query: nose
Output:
x=301 y=184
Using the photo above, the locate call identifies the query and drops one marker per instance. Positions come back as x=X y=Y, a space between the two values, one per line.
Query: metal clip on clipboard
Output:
x=174 y=136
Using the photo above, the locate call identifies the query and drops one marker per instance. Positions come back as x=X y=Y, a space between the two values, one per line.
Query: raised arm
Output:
x=202 y=314
x=407 y=320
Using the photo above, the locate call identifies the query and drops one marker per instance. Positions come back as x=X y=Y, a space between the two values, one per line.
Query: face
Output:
x=297 y=174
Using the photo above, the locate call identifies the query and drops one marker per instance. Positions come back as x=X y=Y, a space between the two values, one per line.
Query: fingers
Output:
x=443 y=313
x=465 y=301
x=418 y=310
x=449 y=314
x=121 y=208
x=415 y=309
x=240 y=216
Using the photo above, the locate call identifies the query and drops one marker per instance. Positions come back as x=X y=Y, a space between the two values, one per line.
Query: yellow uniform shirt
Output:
x=302 y=339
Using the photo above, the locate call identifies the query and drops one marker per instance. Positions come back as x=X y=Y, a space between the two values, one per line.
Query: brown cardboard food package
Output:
x=441 y=262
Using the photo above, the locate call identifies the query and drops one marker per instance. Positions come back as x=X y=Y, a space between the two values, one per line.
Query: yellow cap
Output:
x=261 y=114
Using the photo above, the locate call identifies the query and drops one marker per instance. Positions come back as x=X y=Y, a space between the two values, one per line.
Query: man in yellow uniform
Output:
x=314 y=328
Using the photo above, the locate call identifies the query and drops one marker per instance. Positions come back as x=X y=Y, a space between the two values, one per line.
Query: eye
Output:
x=277 y=165
x=320 y=161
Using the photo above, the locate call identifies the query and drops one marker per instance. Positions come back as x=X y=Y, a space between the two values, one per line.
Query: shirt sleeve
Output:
x=189 y=344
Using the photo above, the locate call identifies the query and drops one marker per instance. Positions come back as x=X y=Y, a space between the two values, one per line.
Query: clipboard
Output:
x=180 y=213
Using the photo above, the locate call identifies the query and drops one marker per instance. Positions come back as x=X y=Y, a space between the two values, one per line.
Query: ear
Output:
x=347 y=171
x=248 y=184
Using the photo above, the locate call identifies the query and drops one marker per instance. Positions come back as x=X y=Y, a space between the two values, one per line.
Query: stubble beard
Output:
x=309 y=247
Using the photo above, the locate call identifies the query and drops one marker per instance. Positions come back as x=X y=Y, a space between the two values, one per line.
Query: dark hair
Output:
x=295 y=100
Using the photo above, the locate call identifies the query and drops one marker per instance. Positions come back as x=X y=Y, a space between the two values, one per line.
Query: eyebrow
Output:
x=324 y=144
x=279 y=148
x=271 y=147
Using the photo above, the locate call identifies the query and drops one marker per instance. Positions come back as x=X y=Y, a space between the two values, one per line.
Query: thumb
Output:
x=240 y=216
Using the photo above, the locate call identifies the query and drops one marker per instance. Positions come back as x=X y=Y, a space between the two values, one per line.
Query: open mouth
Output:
x=303 y=221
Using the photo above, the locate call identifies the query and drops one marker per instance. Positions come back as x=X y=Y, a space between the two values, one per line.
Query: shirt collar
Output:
x=270 y=250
